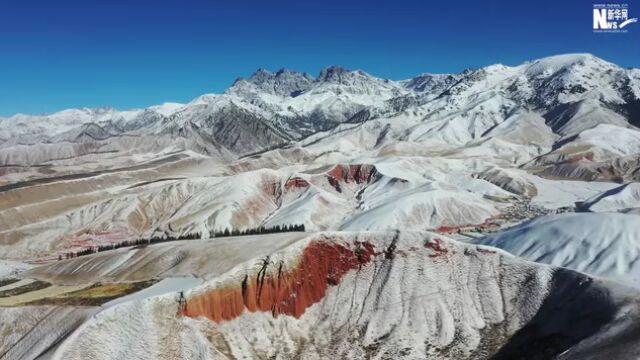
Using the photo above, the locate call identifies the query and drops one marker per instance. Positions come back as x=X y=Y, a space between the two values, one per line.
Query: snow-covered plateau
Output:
x=489 y=214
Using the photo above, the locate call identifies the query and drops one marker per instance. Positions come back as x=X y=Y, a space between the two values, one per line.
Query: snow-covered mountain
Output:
x=342 y=150
x=572 y=93
x=396 y=182
x=439 y=151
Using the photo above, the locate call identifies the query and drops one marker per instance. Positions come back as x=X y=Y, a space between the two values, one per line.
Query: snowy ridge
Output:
x=625 y=198
x=601 y=244
x=572 y=93
x=410 y=295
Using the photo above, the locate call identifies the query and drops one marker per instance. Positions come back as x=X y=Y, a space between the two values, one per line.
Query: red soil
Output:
x=351 y=173
x=448 y=229
x=91 y=238
x=296 y=182
x=358 y=174
x=288 y=292
x=436 y=246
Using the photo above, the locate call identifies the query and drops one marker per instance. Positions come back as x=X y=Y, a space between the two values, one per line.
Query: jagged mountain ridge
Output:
x=572 y=93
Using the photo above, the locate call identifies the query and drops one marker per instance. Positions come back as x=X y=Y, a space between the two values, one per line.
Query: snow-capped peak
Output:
x=428 y=82
x=339 y=75
x=284 y=82
x=552 y=64
x=167 y=108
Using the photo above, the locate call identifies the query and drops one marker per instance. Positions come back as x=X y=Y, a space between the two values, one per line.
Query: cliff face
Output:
x=358 y=173
x=279 y=290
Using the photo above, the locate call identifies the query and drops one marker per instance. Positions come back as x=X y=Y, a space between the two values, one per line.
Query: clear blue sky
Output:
x=61 y=54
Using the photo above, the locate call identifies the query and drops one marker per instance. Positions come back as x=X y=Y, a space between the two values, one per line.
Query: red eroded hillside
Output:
x=281 y=291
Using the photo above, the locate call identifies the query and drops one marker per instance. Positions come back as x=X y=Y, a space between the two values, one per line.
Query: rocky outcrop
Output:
x=354 y=173
x=279 y=290
x=295 y=182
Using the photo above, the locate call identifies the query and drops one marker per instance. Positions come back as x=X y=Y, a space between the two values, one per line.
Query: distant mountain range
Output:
x=567 y=94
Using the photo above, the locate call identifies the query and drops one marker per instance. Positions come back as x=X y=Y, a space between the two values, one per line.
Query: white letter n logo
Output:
x=600 y=19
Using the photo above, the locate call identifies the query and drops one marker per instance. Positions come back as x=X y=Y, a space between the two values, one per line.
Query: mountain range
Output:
x=490 y=213
x=572 y=93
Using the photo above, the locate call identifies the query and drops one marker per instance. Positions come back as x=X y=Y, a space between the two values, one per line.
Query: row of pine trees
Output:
x=189 y=236
x=258 y=230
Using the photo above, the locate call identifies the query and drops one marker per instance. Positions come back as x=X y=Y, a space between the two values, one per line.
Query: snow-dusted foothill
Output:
x=600 y=244
x=387 y=295
x=625 y=198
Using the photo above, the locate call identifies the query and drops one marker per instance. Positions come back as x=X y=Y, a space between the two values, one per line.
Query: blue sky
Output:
x=61 y=54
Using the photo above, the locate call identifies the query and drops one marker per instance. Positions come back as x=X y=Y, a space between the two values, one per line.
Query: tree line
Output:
x=189 y=236
x=258 y=230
